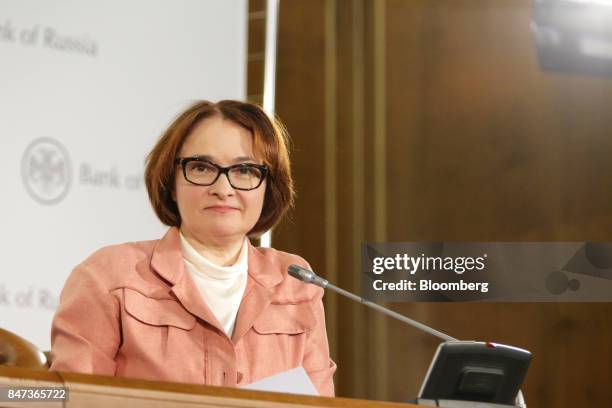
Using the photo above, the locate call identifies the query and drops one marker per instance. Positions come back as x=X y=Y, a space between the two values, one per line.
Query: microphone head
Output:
x=301 y=273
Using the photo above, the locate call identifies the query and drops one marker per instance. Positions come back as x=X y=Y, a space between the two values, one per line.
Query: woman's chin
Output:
x=223 y=231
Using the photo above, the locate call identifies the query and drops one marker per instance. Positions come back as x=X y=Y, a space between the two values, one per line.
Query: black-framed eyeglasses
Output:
x=202 y=172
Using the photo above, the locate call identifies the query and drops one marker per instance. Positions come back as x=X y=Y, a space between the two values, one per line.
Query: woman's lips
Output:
x=221 y=208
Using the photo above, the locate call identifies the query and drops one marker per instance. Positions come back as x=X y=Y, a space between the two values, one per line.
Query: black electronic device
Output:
x=475 y=371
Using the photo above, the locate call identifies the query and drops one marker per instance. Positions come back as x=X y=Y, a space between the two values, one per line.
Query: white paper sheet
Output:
x=294 y=381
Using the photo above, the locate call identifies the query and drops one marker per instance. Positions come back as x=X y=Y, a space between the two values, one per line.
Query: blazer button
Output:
x=239 y=376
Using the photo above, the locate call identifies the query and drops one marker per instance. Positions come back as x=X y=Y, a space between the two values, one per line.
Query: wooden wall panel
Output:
x=481 y=145
x=484 y=146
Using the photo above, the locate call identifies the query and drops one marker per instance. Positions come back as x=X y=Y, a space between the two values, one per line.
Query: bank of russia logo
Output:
x=46 y=170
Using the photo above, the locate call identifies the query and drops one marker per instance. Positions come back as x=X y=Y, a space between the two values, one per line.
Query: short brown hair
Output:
x=270 y=142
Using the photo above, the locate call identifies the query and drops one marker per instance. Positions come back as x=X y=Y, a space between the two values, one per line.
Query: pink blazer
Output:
x=131 y=310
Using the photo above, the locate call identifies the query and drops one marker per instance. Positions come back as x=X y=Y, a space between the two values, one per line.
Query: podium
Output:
x=94 y=391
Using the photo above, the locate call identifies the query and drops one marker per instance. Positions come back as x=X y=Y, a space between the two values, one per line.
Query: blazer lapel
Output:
x=167 y=261
x=263 y=275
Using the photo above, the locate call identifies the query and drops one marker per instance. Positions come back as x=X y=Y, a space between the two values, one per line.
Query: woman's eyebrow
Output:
x=240 y=159
x=244 y=159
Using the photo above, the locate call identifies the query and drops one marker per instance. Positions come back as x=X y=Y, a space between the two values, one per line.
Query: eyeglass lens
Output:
x=243 y=176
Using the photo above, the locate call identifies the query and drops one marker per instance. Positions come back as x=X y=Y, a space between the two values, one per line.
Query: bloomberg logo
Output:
x=46 y=170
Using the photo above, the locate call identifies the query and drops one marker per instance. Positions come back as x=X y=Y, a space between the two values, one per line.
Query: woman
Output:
x=200 y=305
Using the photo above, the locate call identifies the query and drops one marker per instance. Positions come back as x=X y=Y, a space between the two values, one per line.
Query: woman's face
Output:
x=218 y=213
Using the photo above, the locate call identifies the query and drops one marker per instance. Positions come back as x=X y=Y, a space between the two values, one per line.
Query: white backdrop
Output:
x=86 y=87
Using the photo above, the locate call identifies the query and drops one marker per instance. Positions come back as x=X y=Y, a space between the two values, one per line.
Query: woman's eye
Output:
x=246 y=171
x=201 y=168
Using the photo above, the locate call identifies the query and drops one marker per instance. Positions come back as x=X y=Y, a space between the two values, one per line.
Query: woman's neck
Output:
x=219 y=252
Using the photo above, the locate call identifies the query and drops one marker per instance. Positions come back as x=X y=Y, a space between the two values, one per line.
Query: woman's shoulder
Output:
x=289 y=289
x=112 y=265
x=278 y=256
x=123 y=251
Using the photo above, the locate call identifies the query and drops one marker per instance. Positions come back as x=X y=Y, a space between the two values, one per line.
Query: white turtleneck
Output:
x=221 y=287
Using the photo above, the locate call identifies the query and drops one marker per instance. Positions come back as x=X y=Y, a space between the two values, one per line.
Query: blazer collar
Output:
x=264 y=272
x=167 y=260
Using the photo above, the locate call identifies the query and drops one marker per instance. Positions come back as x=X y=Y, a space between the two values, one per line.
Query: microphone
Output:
x=309 y=276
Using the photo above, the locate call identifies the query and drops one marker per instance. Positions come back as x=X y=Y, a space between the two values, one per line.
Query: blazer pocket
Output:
x=157 y=312
x=285 y=319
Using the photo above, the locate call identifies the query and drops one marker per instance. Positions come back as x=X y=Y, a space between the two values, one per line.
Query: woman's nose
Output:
x=222 y=186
